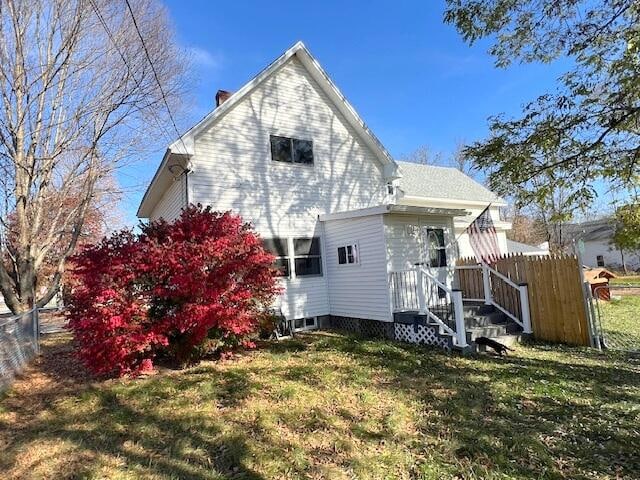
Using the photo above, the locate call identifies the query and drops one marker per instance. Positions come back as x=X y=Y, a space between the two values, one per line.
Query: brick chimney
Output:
x=221 y=97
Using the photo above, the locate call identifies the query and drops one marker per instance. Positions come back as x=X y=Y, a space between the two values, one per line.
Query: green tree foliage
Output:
x=627 y=233
x=589 y=128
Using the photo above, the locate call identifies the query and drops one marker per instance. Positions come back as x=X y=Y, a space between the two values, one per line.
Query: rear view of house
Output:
x=359 y=237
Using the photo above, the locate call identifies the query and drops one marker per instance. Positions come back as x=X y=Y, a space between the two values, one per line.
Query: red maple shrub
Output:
x=177 y=290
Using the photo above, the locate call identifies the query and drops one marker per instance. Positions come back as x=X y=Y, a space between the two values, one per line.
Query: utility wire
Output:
x=155 y=74
x=124 y=60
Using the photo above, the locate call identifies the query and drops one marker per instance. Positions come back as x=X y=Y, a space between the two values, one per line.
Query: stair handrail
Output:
x=435 y=280
x=523 y=292
x=522 y=288
x=460 y=333
x=500 y=275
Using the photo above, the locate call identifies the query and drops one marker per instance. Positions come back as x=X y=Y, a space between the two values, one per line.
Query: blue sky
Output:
x=410 y=76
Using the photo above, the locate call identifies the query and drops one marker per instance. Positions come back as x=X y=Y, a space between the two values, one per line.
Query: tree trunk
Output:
x=624 y=262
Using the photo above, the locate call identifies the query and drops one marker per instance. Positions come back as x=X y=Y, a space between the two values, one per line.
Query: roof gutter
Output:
x=394 y=209
x=479 y=203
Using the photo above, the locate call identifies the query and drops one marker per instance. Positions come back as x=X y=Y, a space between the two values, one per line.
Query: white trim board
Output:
x=394 y=208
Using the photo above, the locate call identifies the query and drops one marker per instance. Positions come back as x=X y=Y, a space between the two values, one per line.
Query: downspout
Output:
x=184 y=171
x=325 y=259
x=186 y=187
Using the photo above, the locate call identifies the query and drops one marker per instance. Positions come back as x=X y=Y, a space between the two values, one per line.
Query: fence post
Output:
x=486 y=284
x=458 y=309
x=524 y=307
x=421 y=298
x=36 y=328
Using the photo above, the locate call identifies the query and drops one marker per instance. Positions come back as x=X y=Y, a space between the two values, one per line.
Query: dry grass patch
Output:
x=330 y=406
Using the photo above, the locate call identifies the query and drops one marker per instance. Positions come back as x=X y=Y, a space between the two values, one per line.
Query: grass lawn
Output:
x=621 y=321
x=331 y=406
x=629 y=279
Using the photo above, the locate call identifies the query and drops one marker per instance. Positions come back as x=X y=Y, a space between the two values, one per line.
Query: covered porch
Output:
x=479 y=301
x=437 y=298
x=399 y=267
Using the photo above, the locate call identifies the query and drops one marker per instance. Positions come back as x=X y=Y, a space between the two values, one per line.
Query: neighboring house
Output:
x=291 y=155
x=599 y=250
x=524 y=249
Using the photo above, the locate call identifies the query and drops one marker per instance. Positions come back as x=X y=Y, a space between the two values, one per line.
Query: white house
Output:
x=289 y=153
x=519 y=248
x=599 y=249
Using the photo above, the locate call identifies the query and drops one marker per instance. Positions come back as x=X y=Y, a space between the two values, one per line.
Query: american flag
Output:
x=483 y=238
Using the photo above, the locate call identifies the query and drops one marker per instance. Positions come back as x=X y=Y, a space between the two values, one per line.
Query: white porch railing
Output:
x=417 y=290
x=498 y=290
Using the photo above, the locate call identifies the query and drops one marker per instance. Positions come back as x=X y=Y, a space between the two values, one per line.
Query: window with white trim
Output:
x=291 y=150
x=307 y=258
x=279 y=248
x=348 y=255
x=600 y=260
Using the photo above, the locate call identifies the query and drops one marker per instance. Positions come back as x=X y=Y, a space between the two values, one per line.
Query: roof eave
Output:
x=161 y=178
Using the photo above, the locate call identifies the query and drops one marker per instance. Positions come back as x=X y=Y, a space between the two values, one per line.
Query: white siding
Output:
x=305 y=296
x=404 y=249
x=612 y=256
x=233 y=170
x=171 y=203
x=358 y=290
x=464 y=247
x=461 y=223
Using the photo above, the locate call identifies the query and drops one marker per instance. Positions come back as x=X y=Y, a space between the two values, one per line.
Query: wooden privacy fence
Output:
x=555 y=292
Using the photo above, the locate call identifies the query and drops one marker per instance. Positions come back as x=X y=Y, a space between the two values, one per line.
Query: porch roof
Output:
x=395 y=209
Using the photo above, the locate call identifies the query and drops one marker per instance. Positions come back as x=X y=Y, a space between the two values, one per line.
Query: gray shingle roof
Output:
x=442 y=182
x=595 y=230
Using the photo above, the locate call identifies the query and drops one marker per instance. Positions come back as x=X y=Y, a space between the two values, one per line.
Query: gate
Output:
x=618 y=317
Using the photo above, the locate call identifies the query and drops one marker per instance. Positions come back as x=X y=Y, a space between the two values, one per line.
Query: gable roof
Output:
x=185 y=144
x=431 y=181
x=319 y=75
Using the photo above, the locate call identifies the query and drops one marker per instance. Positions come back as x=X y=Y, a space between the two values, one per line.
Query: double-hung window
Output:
x=307 y=259
x=278 y=247
x=291 y=150
x=348 y=255
x=436 y=248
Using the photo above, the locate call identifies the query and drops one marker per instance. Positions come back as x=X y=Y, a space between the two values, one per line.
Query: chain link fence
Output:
x=618 y=317
x=19 y=344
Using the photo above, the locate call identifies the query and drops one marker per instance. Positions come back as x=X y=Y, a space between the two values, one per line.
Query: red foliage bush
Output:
x=178 y=289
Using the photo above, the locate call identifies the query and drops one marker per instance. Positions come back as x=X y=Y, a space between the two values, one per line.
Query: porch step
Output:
x=483 y=320
x=477 y=308
x=480 y=321
x=493 y=331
